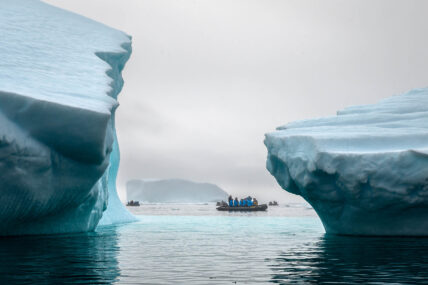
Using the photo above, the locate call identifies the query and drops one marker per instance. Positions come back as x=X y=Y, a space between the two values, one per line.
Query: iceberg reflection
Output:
x=78 y=258
x=348 y=260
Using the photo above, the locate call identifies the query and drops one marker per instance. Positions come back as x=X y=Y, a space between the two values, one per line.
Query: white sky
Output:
x=207 y=79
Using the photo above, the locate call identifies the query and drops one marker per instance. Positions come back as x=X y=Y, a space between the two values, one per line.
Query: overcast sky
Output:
x=207 y=79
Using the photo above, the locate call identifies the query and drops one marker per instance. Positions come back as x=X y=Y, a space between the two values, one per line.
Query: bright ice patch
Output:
x=60 y=74
x=365 y=171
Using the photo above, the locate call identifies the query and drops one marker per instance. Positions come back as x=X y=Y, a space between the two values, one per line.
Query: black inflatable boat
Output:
x=262 y=207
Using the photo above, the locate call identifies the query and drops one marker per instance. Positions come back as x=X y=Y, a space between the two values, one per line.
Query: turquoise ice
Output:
x=60 y=75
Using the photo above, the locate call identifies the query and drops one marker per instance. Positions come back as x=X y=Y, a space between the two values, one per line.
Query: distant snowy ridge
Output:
x=364 y=171
x=60 y=75
x=173 y=191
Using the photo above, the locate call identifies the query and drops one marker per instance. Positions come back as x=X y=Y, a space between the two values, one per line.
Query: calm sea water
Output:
x=193 y=244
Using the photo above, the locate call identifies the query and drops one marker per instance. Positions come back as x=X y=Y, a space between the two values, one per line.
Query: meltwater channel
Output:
x=193 y=244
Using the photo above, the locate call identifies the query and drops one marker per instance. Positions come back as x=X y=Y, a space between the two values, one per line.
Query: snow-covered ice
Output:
x=173 y=191
x=364 y=171
x=60 y=74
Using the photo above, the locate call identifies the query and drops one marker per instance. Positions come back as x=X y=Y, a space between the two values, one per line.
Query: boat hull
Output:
x=262 y=207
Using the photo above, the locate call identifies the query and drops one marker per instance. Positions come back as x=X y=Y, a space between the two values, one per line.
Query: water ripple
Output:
x=246 y=249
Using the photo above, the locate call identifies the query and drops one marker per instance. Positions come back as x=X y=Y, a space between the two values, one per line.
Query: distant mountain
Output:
x=173 y=191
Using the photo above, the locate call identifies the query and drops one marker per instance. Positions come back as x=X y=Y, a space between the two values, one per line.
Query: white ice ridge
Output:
x=364 y=171
x=60 y=74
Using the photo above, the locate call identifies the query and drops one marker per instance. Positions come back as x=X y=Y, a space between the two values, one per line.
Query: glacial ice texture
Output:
x=173 y=191
x=364 y=171
x=60 y=75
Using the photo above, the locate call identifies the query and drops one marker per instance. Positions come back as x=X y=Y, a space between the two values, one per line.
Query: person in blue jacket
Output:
x=230 y=201
x=236 y=202
x=249 y=202
x=241 y=203
x=244 y=203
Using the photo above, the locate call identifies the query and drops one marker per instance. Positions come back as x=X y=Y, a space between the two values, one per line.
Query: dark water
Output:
x=354 y=260
x=208 y=249
x=81 y=258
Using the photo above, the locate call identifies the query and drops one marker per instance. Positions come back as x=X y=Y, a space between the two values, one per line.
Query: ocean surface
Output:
x=195 y=244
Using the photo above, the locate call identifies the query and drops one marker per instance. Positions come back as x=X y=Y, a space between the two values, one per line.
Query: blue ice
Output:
x=364 y=171
x=60 y=74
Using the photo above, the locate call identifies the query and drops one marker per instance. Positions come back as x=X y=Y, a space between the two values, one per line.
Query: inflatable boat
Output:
x=262 y=207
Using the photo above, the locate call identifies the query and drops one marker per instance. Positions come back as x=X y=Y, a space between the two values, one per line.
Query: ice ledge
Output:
x=364 y=171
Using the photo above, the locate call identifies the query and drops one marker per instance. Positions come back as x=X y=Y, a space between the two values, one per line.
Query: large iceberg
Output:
x=173 y=191
x=364 y=171
x=60 y=74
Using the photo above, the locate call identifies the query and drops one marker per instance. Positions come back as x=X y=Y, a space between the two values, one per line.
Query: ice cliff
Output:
x=364 y=171
x=60 y=75
x=173 y=191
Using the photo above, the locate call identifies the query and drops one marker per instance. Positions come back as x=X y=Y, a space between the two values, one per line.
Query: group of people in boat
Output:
x=246 y=202
x=133 y=203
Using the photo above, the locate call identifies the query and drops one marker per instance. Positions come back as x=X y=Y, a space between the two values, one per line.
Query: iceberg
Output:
x=60 y=74
x=173 y=191
x=364 y=171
